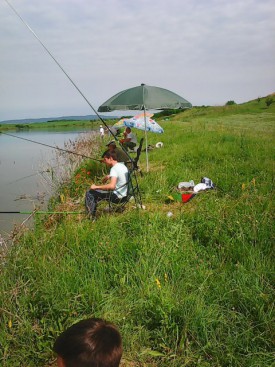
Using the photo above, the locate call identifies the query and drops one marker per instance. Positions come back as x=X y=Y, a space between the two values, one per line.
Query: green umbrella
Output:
x=145 y=97
x=153 y=98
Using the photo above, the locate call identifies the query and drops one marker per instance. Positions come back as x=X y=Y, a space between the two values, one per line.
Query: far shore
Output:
x=54 y=124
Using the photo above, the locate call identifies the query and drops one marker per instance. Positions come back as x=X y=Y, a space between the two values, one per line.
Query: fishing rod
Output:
x=51 y=146
x=62 y=69
x=73 y=83
x=67 y=75
x=39 y=212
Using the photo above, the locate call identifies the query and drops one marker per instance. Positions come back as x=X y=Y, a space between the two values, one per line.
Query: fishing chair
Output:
x=132 y=192
x=133 y=165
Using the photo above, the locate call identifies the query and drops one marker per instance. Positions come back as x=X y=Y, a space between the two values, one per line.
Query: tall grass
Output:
x=194 y=289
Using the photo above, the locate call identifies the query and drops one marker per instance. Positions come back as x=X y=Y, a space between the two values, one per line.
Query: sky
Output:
x=208 y=52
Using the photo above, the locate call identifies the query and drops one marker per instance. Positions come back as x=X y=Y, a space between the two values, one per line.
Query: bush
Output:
x=21 y=126
x=269 y=101
x=165 y=113
x=230 y=103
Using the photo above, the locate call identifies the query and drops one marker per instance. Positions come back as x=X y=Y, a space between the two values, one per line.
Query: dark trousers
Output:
x=95 y=196
x=128 y=144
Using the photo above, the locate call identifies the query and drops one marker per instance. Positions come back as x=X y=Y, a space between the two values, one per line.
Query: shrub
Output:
x=230 y=103
x=269 y=101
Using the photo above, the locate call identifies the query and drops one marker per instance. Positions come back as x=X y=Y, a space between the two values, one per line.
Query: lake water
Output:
x=21 y=187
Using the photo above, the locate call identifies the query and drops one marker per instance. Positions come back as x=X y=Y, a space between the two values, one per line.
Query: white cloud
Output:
x=208 y=52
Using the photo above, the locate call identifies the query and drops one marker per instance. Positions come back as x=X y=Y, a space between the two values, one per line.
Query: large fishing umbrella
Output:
x=145 y=97
x=138 y=122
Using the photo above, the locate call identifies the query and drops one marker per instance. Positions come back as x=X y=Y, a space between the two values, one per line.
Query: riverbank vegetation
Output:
x=54 y=124
x=190 y=289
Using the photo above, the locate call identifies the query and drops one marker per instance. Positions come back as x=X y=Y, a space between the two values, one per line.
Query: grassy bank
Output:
x=54 y=124
x=193 y=289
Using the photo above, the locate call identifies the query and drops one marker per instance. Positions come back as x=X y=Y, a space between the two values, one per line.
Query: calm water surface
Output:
x=20 y=159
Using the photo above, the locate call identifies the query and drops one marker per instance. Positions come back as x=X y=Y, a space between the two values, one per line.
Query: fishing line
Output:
x=51 y=146
x=34 y=174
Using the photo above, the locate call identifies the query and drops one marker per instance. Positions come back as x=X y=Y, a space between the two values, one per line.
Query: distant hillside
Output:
x=257 y=104
x=48 y=119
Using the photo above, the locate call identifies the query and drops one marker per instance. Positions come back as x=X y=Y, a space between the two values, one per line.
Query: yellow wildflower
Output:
x=158 y=283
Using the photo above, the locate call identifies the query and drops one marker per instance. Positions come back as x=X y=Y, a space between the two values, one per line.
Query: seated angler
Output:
x=130 y=139
x=115 y=190
x=122 y=157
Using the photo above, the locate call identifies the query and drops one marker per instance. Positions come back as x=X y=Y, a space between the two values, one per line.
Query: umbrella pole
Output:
x=146 y=141
x=145 y=126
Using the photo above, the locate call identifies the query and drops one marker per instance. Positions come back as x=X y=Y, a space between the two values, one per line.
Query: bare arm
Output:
x=105 y=179
x=124 y=140
x=110 y=186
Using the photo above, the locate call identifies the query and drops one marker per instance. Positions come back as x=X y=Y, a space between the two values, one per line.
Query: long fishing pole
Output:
x=58 y=64
x=47 y=50
x=67 y=75
x=70 y=79
x=51 y=146
x=39 y=212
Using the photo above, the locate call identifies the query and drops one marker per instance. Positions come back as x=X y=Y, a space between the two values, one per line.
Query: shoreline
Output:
x=54 y=178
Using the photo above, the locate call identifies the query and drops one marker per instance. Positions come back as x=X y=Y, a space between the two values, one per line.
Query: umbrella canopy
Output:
x=139 y=122
x=145 y=96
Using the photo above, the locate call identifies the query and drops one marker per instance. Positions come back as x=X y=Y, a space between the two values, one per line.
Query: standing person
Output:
x=130 y=139
x=89 y=343
x=122 y=157
x=101 y=131
x=115 y=190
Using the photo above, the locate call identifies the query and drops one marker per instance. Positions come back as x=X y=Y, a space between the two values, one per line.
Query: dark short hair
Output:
x=109 y=154
x=90 y=343
x=112 y=142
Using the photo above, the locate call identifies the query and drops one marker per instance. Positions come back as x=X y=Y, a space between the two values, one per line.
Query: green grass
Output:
x=195 y=289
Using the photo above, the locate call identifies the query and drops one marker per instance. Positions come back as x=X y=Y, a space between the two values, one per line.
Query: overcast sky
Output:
x=208 y=52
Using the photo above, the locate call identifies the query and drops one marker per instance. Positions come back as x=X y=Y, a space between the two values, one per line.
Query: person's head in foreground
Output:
x=89 y=343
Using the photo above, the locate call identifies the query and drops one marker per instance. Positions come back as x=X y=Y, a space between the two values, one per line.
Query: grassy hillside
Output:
x=193 y=289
